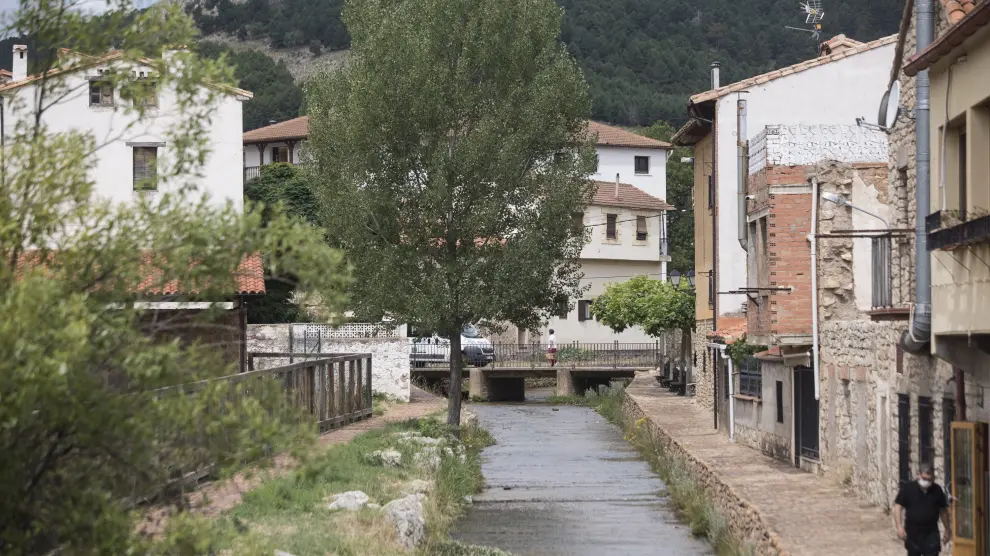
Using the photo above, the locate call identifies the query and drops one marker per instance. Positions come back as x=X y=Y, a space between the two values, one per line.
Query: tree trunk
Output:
x=456 y=366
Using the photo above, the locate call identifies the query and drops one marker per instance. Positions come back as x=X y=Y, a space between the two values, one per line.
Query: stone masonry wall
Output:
x=389 y=356
x=705 y=367
x=756 y=424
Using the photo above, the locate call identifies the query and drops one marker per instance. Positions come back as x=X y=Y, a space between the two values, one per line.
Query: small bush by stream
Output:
x=292 y=513
x=692 y=503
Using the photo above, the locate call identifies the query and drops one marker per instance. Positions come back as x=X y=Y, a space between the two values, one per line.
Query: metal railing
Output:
x=972 y=231
x=536 y=355
x=882 y=271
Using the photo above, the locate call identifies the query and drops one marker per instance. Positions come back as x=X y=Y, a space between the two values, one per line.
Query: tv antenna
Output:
x=813 y=17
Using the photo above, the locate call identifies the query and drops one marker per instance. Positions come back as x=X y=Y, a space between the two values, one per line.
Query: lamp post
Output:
x=675 y=277
x=690 y=277
x=842 y=202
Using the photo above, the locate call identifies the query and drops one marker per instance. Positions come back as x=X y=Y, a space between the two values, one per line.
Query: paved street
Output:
x=810 y=515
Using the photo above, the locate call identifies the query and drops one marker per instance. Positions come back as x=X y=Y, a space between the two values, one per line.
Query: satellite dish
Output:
x=890 y=106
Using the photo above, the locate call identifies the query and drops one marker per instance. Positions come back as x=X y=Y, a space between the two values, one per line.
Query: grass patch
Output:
x=381 y=402
x=291 y=514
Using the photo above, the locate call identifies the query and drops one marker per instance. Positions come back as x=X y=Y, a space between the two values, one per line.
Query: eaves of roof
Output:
x=790 y=70
x=87 y=61
x=972 y=23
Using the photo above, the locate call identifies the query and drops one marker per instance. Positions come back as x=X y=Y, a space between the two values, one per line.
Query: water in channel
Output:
x=562 y=481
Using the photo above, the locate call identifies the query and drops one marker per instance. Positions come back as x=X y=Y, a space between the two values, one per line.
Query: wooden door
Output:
x=969 y=518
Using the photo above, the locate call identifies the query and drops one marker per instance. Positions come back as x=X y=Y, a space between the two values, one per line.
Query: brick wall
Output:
x=788 y=256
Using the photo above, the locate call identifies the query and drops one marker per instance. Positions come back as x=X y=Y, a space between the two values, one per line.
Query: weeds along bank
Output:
x=691 y=499
x=394 y=491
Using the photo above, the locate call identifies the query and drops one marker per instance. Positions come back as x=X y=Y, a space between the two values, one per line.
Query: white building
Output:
x=846 y=82
x=625 y=229
x=628 y=225
x=132 y=152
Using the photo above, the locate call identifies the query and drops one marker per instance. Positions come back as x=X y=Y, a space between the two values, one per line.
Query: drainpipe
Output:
x=916 y=339
x=732 y=394
x=813 y=238
x=743 y=170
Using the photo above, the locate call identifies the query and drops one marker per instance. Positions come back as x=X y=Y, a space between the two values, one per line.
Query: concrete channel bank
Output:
x=774 y=508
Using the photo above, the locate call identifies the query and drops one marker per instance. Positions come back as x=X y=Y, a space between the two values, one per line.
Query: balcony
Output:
x=251 y=172
x=946 y=232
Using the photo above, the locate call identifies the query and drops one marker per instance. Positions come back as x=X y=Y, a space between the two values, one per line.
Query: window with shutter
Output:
x=584 y=310
x=641 y=228
x=145 y=168
x=577 y=223
x=611 y=223
x=100 y=93
x=642 y=165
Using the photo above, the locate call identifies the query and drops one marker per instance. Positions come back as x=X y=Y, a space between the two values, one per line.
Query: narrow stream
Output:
x=562 y=481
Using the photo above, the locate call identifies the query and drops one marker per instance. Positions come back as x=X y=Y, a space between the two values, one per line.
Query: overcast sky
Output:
x=89 y=5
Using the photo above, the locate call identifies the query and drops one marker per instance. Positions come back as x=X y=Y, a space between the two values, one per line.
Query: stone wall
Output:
x=704 y=367
x=756 y=422
x=746 y=524
x=390 y=369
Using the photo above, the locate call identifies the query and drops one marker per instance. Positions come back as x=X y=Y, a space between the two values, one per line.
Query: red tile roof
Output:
x=610 y=136
x=606 y=135
x=249 y=276
x=296 y=128
x=969 y=19
x=729 y=329
x=86 y=61
x=627 y=196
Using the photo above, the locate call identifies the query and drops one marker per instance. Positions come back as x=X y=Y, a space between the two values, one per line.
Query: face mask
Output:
x=924 y=483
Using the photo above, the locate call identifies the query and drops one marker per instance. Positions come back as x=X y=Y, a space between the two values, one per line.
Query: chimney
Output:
x=19 y=69
x=715 y=77
x=617 y=186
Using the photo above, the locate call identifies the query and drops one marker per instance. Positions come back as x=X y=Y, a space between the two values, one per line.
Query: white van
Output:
x=476 y=349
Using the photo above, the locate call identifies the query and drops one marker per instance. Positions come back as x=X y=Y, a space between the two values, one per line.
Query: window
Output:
x=780 y=402
x=641 y=228
x=598 y=161
x=562 y=309
x=280 y=154
x=148 y=93
x=711 y=191
x=904 y=437
x=100 y=93
x=577 y=223
x=145 y=168
x=750 y=377
x=611 y=230
x=642 y=165
x=584 y=310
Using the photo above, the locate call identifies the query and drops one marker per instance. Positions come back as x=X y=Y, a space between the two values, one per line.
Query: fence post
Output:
x=368 y=395
x=311 y=388
x=250 y=362
x=615 y=354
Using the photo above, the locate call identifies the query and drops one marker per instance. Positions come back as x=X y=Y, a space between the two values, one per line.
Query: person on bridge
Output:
x=922 y=503
x=552 y=349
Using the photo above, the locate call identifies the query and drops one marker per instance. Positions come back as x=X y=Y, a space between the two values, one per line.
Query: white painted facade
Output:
x=117 y=133
x=837 y=92
x=252 y=154
x=621 y=161
x=607 y=261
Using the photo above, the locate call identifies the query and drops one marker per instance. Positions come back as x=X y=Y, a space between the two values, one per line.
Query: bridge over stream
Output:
x=498 y=372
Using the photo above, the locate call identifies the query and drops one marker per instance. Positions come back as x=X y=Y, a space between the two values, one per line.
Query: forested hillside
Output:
x=642 y=58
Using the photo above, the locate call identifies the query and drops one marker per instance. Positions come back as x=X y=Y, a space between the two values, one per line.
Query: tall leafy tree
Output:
x=84 y=426
x=450 y=156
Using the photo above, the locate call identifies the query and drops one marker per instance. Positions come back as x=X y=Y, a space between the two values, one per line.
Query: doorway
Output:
x=805 y=415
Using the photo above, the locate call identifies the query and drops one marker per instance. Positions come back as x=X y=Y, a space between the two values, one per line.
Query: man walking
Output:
x=922 y=502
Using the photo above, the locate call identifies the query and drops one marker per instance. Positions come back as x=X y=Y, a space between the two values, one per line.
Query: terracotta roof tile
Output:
x=86 y=61
x=606 y=135
x=628 y=197
x=956 y=10
x=249 y=276
x=971 y=19
x=296 y=128
x=611 y=136
x=796 y=68
x=729 y=329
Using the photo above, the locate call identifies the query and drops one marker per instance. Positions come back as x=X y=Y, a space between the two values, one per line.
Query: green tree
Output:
x=655 y=306
x=450 y=156
x=84 y=426
x=680 y=183
x=281 y=185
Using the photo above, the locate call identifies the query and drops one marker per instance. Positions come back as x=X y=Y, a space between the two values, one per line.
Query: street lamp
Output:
x=690 y=277
x=842 y=202
x=675 y=277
